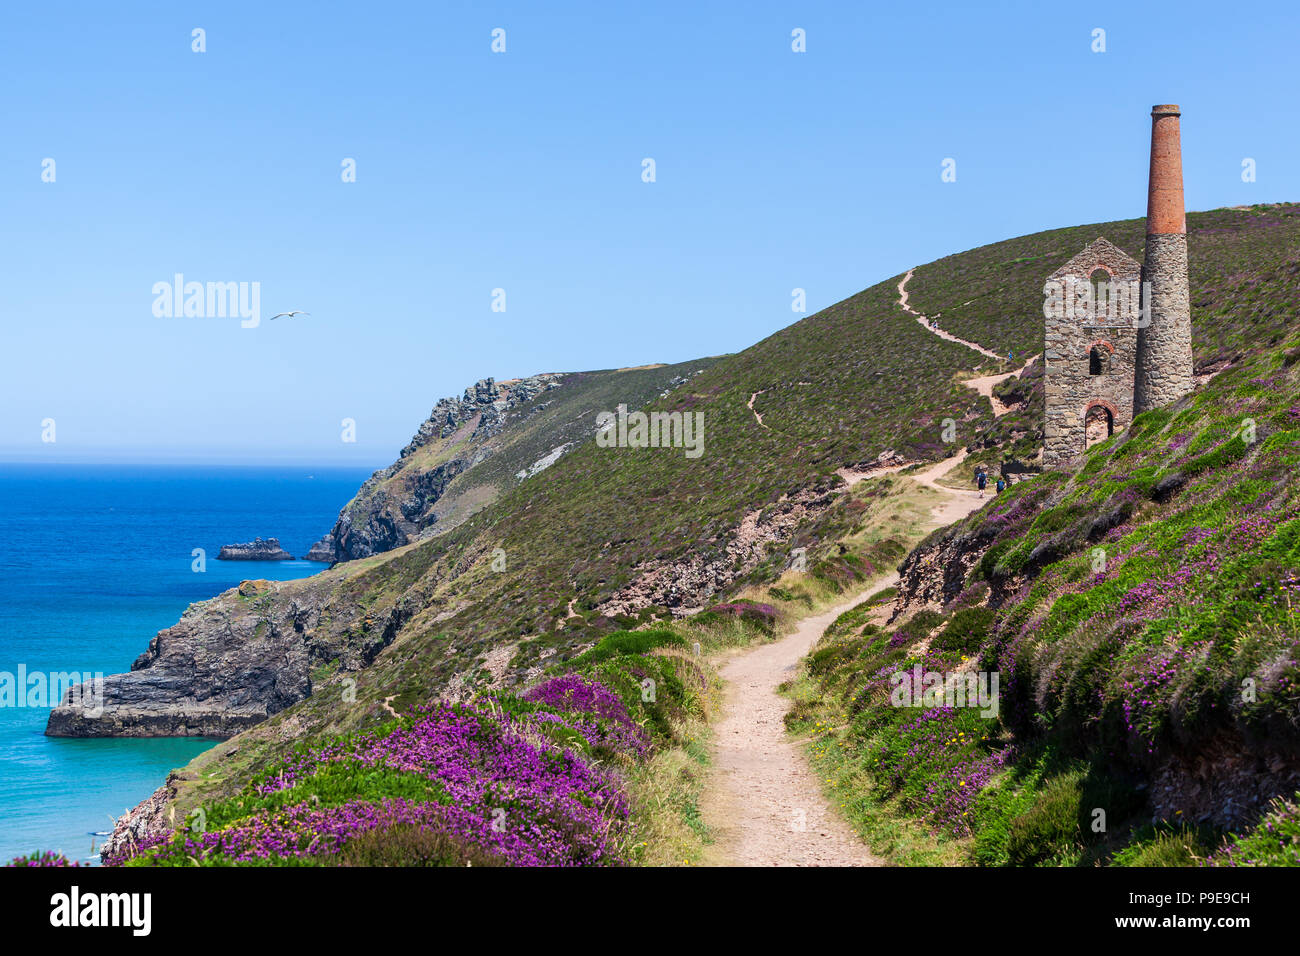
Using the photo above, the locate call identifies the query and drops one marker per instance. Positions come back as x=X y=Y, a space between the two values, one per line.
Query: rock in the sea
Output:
x=322 y=551
x=260 y=549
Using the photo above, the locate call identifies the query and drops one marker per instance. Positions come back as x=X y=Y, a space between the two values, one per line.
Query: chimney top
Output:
x=1165 y=212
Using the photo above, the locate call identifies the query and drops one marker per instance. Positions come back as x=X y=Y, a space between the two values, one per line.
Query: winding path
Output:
x=983 y=384
x=763 y=802
x=925 y=323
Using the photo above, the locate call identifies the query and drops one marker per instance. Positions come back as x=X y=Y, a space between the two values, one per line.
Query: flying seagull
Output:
x=290 y=314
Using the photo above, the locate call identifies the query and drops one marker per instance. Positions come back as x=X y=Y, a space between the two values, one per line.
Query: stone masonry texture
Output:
x=1070 y=387
x=1164 y=372
x=1148 y=359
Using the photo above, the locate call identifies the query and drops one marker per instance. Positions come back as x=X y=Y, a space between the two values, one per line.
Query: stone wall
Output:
x=1071 y=391
x=1164 y=372
x=1069 y=388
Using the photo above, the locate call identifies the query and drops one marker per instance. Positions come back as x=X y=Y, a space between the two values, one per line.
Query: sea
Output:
x=94 y=560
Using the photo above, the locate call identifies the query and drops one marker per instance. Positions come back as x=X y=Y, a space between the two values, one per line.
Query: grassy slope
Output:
x=838 y=388
x=1148 y=661
x=532 y=430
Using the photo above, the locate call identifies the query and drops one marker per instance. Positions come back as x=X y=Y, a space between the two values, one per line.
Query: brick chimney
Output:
x=1164 y=347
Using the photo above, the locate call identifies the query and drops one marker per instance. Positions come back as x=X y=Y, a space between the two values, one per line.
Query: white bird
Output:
x=290 y=314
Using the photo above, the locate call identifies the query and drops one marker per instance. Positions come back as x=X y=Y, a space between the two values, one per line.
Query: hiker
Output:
x=981 y=480
x=1001 y=485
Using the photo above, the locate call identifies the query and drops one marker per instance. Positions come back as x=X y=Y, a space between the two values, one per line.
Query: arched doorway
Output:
x=1098 y=425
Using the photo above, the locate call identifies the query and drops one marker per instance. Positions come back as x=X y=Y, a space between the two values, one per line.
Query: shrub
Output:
x=410 y=845
x=622 y=643
x=966 y=631
x=1050 y=828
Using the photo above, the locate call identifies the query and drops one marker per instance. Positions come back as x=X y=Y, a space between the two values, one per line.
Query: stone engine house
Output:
x=1091 y=360
x=1118 y=335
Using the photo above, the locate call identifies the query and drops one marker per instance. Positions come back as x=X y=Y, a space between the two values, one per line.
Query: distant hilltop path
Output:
x=985 y=383
x=925 y=322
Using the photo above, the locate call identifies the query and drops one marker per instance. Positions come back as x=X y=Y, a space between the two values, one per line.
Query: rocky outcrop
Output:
x=396 y=505
x=934 y=573
x=485 y=398
x=387 y=521
x=684 y=585
x=148 y=823
x=322 y=551
x=229 y=663
x=259 y=549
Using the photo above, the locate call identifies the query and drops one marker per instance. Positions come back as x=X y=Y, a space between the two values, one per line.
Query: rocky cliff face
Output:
x=322 y=550
x=397 y=504
x=229 y=663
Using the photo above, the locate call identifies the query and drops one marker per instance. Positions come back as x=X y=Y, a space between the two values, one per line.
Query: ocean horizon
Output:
x=98 y=558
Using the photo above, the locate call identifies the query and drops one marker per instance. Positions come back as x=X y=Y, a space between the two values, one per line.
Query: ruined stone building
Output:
x=1118 y=335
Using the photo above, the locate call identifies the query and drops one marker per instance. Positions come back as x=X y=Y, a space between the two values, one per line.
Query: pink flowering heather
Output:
x=592 y=709
x=503 y=790
x=47 y=858
x=304 y=831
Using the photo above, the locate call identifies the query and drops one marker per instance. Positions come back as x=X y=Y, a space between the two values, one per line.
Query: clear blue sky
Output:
x=522 y=171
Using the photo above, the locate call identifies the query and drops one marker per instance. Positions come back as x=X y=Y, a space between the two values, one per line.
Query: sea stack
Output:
x=256 y=550
x=1164 y=345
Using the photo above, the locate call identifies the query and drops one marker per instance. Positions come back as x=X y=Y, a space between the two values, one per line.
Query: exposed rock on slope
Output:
x=683 y=586
x=472 y=448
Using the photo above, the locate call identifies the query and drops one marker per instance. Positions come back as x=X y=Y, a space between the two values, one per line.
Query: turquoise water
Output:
x=93 y=561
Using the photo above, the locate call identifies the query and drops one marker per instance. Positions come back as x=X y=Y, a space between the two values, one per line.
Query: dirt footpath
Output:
x=764 y=803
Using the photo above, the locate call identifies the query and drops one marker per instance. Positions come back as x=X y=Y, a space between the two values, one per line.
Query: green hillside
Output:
x=497 y=436
x=590 y=541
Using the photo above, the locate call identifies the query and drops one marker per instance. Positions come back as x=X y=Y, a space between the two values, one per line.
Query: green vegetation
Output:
x=1133 y=663
x=1140 y=613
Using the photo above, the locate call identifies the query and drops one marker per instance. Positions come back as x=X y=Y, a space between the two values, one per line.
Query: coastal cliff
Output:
x=474 y=447
x=235 y=660
x=227 y=664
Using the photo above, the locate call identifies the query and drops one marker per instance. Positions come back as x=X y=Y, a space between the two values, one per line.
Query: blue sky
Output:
x=522 y=171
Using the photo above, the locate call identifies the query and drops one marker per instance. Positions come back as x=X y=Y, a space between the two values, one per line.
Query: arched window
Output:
x=1101 y=306
x=1097 y=360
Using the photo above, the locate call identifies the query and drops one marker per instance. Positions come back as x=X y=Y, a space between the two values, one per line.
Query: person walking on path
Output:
x=981 y=480
x=1001 y=486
